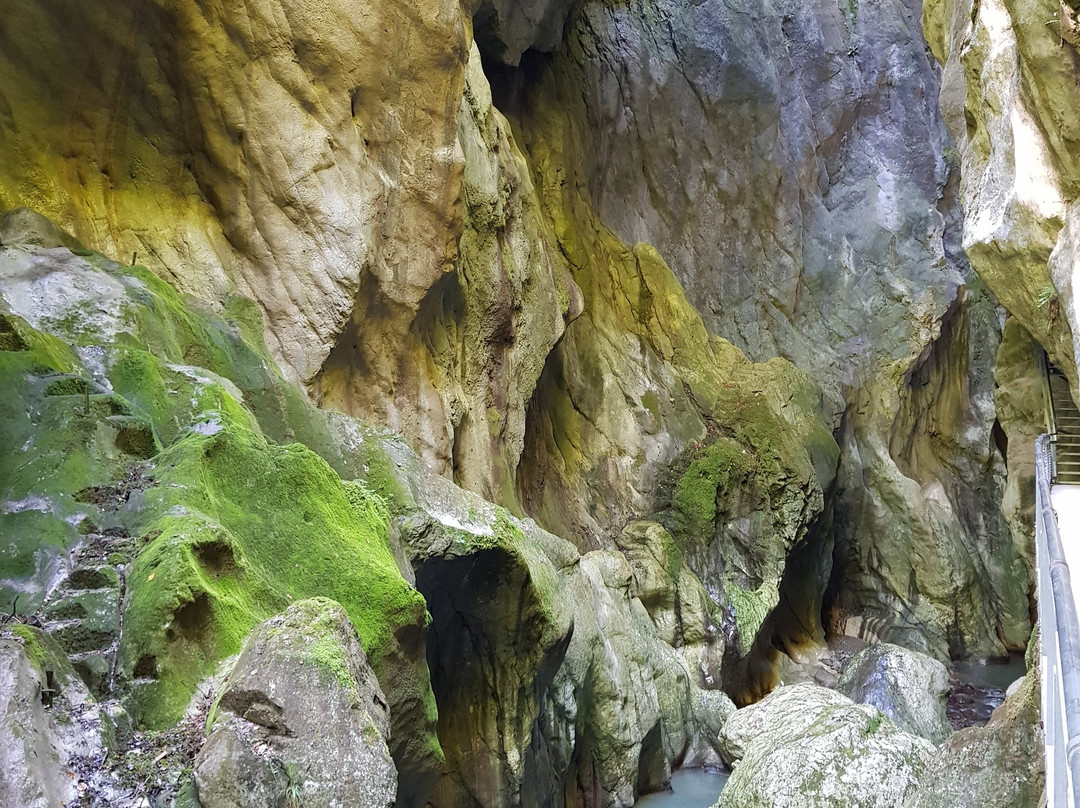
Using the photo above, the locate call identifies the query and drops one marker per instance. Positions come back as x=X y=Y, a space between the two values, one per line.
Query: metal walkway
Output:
x=1057 y=459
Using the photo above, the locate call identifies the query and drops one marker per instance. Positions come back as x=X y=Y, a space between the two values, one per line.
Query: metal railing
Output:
x=1059 y=642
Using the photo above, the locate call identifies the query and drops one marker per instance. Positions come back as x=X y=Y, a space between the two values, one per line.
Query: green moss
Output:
x=69 y=386
x=234 y=525
x=43 y=652
x=16 y=335
x=137 y=375
x=34 y=650
x=55 y=447
x=319 y=621
x=751 y=608
x=368 y=504
x=27 y=534
x=651 y=402
x=246 y=316
x=710 y=475
x=283 y=527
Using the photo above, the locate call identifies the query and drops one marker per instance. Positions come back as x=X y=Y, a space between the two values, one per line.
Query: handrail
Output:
x=1066 y=629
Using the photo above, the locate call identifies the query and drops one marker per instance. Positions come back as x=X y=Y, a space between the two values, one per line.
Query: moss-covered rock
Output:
x=179 y=449
x=227 y=554
x=65 y=434
x=300 y=717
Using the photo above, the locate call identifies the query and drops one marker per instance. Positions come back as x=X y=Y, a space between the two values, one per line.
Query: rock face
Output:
x=180 y=123
x=645 y=102
x=807 y=746
x=301 y=719
x=49 y=724
x=560 y=678
x=508 y=292
x=908 y=687
x=684 y=284
x=1009 y=97
x=230 y=525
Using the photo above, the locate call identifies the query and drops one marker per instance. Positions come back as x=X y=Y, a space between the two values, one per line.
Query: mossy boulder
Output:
x=300 y=719
x=240 y=526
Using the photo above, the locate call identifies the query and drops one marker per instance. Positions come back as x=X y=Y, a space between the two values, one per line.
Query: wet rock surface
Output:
x=909 y=687
x=971 y=705
x=54 y=738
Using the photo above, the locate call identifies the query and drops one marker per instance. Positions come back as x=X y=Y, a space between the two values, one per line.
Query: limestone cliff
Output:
x=1009 y=95
x=509 y=293
x=700 y=333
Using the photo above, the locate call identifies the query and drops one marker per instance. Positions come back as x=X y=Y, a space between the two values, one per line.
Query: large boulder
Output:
x=909 y=687
x=810 y=747
x=53 y=736
x=301 y=719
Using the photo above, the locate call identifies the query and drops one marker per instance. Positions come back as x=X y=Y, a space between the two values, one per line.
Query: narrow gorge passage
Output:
x=529 y=403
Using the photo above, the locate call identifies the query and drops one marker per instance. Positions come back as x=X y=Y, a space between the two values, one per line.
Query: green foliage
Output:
x=1046 y=295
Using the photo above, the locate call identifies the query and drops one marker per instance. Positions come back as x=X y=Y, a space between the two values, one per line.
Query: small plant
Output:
x=293 y=793
x=1046 y=296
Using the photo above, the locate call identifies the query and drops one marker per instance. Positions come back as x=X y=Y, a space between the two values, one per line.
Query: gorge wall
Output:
x=707 y=333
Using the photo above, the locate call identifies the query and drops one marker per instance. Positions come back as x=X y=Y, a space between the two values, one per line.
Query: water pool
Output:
x=690 y=788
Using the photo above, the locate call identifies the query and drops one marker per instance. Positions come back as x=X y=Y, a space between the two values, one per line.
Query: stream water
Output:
x=690 y=788
x=976 y=690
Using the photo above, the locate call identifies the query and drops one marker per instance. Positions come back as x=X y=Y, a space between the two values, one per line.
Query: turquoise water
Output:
x=999 y=675
x=690 y=788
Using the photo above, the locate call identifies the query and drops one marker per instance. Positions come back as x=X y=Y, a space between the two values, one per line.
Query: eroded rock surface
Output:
x=301 y=719
x=804 y=745
x=1010 y=99
x=909 y=687
x=302 y=154
x=529 y=283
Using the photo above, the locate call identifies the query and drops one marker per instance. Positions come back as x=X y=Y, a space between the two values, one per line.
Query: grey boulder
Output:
x=300 y=721
x=909 y=687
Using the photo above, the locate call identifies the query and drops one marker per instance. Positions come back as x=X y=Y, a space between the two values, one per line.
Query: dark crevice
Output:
x=490 y=656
